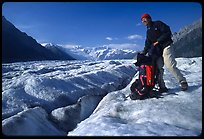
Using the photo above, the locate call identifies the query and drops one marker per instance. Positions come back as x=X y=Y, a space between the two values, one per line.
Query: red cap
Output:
x=146 y=16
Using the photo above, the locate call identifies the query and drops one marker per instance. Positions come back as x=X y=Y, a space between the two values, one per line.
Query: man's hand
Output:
x=156 y=43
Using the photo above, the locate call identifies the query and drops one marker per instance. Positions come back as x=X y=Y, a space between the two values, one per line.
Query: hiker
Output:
x=159 y=35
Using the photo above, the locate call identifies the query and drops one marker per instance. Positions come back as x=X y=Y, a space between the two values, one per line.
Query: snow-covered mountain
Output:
x=187 y=43
x=76 y=52
x=107 y=53
x=188 y=40
x=96 y=53
x=88 y=98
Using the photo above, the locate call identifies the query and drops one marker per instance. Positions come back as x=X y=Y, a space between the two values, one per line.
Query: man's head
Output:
x=146 y=19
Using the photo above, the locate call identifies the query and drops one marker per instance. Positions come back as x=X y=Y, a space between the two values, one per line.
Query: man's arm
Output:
x=165 y=32
x=147 y=45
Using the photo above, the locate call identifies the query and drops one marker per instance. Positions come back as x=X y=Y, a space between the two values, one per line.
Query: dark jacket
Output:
x=158 y=31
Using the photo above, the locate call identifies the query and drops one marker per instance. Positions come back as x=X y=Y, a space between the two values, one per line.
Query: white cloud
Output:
x=135 y=36
x=109 y=38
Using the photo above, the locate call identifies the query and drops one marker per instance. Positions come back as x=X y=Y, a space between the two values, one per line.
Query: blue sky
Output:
x=92 y=24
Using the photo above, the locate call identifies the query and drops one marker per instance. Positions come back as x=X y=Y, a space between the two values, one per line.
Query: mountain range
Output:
x=18 y=46
x=94 y=53
x=187 y=43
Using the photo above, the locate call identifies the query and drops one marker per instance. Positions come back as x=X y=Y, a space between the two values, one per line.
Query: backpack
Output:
x=147 y=74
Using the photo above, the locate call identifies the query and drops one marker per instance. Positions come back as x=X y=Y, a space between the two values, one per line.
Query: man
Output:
x=159 y=35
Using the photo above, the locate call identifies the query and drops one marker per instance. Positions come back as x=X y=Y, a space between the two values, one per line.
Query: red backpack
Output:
x=144 y=84
x=141 y=87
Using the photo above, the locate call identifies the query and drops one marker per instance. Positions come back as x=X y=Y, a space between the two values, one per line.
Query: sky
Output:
x=66 y=98
x=92 y=24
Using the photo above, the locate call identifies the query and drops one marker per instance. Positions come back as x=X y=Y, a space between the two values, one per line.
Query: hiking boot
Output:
x=184 y=85
x=162 y=90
